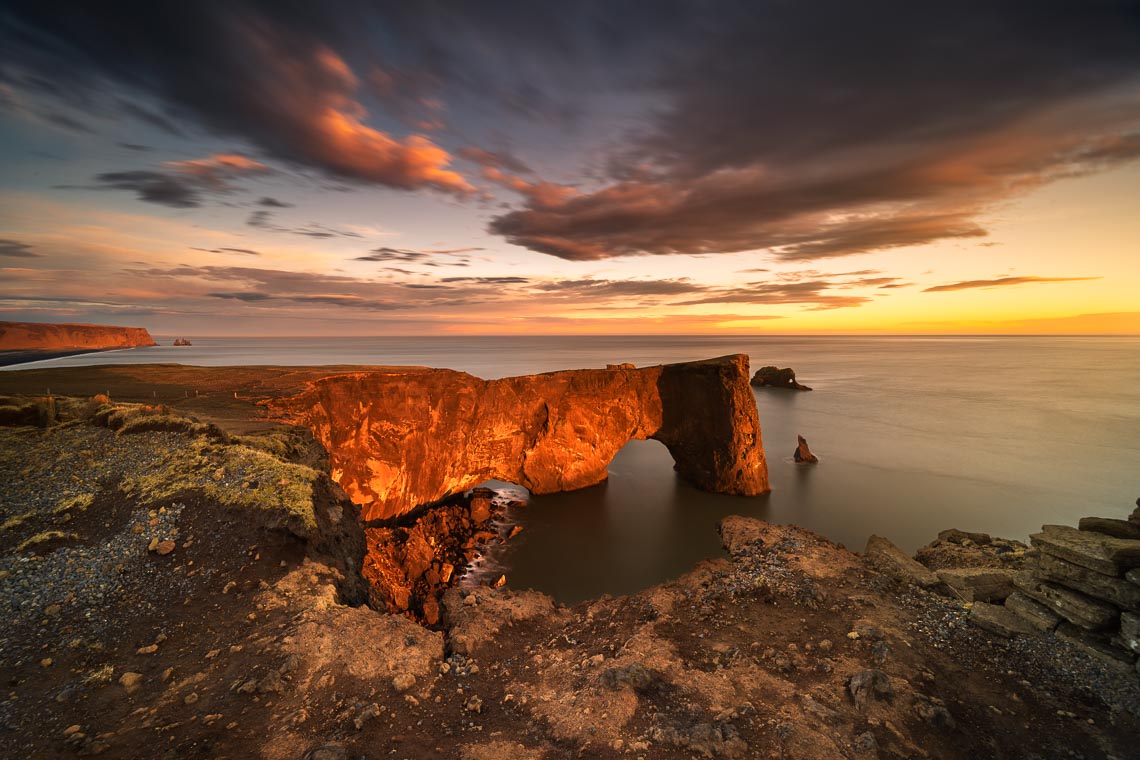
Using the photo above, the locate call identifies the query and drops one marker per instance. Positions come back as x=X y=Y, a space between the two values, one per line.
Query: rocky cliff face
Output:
x=38 y=336
x=401 y=438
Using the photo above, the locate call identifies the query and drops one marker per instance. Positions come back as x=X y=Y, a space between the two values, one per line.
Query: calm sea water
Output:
x=914 y=435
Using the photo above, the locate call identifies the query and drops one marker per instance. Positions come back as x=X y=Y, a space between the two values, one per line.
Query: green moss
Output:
x=235 y=476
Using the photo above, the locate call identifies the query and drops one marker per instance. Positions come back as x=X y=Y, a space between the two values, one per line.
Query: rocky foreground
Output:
x=173 y=589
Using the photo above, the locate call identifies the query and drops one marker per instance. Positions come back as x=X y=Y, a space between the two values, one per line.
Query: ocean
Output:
x=914 y=435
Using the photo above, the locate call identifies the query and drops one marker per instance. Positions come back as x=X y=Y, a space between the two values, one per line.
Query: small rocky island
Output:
x=200 y=584
x=775 y=377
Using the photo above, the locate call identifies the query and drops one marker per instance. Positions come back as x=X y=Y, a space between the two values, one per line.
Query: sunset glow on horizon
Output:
x=615 y=168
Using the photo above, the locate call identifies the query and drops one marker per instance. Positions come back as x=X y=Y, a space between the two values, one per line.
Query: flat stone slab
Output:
x=999 y=620
x=1110 y=527
x=1031 y=611
x=1130 y=631
x=894 y=562
x=979 y=584
x=1111 y=556
x=1117 y=591
x=1077 y=608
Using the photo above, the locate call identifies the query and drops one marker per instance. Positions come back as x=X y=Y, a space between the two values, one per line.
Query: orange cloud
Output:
x=355 y=149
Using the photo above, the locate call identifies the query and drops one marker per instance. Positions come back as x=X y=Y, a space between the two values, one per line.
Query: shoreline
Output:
x=22 y=358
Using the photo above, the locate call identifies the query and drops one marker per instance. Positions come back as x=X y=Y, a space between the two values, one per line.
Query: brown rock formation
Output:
x=803 y=453
x=401 y=438
x=38 y=336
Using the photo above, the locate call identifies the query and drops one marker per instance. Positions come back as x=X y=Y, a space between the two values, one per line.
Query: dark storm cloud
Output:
x=17 y=250
x=824 y=130
x=1001 y=282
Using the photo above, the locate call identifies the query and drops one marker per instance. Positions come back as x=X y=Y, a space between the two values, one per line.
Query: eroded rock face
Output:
x=36 y=336
x=405 y=437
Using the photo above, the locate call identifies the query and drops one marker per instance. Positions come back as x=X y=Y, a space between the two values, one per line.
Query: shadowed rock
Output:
x=401 y=438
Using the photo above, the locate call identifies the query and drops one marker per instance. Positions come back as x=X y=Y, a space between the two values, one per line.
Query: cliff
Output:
x=401 y=438
x=40 y=336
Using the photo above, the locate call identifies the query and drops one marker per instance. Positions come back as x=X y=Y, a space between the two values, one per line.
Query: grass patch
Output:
x=42 y=538
x=79 y=503
x=16 y=521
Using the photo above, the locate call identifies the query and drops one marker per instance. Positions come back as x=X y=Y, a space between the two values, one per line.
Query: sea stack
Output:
x=775 y=377
x=803 y=454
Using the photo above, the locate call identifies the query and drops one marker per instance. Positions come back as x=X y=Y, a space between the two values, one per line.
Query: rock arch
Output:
x=404 y=437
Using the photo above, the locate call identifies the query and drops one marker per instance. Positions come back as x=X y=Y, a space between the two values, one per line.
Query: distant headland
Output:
x=29 y=341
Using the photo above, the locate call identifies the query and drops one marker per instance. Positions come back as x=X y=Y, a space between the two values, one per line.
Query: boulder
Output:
x=1130 y=631
x=1135 y=516
x=1118 y=591
x=1133 y=576
x=1109 y=527
x=774 y=377
x=1105 y=554
x=979 y=584
x=893 y=561
x=1077 y=608
x=955 y=536
x=999 y=620
x=803 y=453
x=1031 y=611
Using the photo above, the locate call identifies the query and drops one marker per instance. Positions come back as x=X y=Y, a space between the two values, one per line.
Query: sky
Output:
x=391 y=168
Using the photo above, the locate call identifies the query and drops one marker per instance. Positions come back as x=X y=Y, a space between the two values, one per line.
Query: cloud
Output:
x=263 y=219
x=16 y=250
x=163 y=188
x=269 y=202
x=268 y=76
x=500 y=159
x=181 y=184
x=489 y=280
x=432 y=257
x=217 y=169
x=812 y=132
x=1000 y=282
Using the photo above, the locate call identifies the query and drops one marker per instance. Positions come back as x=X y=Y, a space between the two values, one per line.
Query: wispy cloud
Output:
x=1001 y=282
x=16 y=250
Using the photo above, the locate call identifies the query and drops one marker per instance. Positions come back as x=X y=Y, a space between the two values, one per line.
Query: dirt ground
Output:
x=142 y=621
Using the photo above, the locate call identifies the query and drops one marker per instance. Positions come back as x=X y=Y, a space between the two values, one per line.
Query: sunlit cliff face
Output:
x=399 y=440
x=598 y=168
